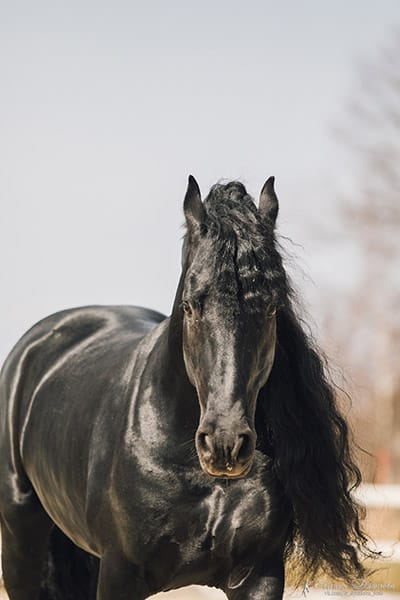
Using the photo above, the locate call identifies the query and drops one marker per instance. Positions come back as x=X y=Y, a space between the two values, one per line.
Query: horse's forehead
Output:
x=221 y=297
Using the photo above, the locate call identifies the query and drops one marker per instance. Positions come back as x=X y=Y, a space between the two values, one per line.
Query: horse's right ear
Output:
x=193 y=206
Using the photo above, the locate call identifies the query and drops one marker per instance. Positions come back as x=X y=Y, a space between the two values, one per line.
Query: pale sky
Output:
x=106 y=107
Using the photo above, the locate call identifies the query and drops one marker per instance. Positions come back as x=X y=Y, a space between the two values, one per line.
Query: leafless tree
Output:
x=370 y=210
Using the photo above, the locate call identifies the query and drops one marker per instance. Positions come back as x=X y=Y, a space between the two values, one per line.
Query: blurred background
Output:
x=106 y=107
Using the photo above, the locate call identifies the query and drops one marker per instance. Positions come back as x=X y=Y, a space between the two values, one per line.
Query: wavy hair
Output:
x=310 y=442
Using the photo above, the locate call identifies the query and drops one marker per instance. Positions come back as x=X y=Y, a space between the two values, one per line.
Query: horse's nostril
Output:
x=243 y=447
x=204 y=443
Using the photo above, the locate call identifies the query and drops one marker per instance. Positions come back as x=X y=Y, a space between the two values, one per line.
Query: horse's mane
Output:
x=298 y=409
x=312 y=456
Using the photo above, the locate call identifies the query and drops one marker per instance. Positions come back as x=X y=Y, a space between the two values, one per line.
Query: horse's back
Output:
x=63 y=330
x=62 y=366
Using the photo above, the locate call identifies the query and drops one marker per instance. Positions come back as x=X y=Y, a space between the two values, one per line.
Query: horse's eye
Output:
x=187 y=309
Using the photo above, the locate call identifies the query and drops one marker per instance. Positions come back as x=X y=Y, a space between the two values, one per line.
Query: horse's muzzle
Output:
x=225 y=453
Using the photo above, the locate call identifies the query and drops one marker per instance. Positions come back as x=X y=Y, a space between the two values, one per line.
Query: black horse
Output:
x=141 y=453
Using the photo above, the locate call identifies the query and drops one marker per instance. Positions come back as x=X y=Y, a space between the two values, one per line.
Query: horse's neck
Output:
x=163 y=370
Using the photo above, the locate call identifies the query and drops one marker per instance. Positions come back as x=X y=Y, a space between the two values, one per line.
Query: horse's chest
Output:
x=228 y=519
x=204 y=538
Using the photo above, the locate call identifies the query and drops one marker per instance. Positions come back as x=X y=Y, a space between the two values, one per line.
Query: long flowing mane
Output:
x=298 y=416
x=312 y=454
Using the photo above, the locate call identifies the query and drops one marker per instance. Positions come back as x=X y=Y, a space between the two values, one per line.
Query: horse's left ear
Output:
x=268 y=205
x=192 y=205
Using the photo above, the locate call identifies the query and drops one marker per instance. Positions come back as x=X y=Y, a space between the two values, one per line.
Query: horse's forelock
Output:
x=243 y=248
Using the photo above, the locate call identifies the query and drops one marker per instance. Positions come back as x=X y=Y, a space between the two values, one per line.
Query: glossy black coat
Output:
x=97 y=427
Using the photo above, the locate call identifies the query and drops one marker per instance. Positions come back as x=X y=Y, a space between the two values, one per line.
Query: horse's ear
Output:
x=192 y=205
x=268 y=205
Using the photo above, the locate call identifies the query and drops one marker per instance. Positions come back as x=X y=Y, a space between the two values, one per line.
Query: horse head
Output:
x=231 y=279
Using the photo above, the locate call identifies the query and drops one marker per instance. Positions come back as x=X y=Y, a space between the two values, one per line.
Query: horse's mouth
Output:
x=229 y=473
